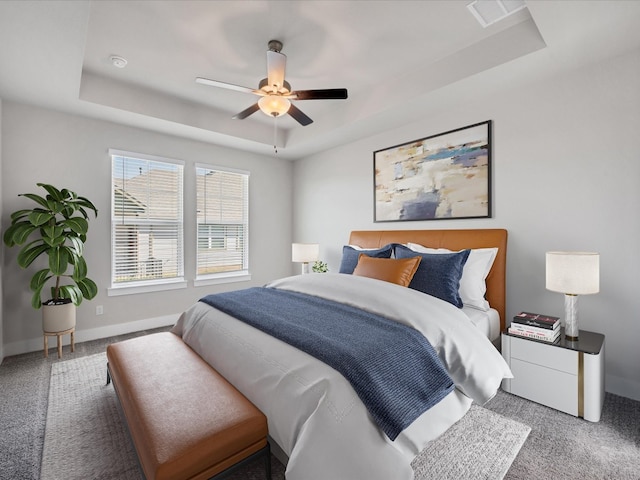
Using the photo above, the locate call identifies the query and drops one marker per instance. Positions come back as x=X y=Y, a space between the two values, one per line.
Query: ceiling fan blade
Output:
x=276 y=63
x=298 y=116
x=327 y=94
x=246 y=112
x=229 y=86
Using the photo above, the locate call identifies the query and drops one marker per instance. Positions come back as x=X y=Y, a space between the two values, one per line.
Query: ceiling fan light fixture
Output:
x=275 y=92
x=274 y=105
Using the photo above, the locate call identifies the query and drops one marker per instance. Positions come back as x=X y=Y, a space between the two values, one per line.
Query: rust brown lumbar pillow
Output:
x=399 y=271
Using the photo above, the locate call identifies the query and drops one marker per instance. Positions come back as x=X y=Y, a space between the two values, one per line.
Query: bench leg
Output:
x=267 y=462
x=108 y=375
x=266 y=451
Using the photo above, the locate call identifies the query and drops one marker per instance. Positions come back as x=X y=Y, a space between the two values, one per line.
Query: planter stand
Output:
x=70 y=331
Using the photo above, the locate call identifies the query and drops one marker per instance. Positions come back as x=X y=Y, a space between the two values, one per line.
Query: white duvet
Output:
x=313 y=413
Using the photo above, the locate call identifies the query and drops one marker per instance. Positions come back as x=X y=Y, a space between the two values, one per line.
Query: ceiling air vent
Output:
x=488 y=12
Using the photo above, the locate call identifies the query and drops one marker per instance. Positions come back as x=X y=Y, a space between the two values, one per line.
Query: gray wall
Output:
x=565 y=177
x=69 y=151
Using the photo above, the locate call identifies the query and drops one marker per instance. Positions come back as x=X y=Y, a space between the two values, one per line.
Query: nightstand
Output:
x=565 y=375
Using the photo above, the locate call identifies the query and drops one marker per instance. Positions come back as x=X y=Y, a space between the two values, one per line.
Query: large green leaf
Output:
x=54 y=206
x=30 y=252
x=39 y=279
x=88 y=288
x=54 y=242
x=72 y=292
x=18 y=233
x=53 y=191
x=84 y=202
x=80 y=270
x=77 y=224
x=67 y=211
x=38 y=218
x=35 y=299
x=36 y=198
x=52 y=231
x=77 y=246
x=58 y=260
x=19 y=214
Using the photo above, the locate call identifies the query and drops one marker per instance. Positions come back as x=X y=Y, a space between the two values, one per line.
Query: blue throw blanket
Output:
x=392 y=367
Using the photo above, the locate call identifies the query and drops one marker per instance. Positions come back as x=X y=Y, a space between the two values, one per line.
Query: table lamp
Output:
x=572 y=273
x=305 y=253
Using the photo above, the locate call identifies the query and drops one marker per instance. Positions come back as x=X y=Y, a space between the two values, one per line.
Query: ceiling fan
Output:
x=275 y=91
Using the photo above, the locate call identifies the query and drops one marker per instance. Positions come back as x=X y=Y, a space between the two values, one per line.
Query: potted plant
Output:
x=58 y=227
x=319 y=267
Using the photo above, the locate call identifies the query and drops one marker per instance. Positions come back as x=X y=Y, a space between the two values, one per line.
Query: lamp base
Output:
x=571 y=317
x=305 y=268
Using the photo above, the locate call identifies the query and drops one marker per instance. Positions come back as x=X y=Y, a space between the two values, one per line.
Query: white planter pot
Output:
x=58 y=318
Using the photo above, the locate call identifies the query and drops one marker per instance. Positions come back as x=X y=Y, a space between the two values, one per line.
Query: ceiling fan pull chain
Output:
x=275 y=134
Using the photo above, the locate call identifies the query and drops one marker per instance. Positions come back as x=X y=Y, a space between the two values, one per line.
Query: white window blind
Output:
x=222 y=221
x=146 y=220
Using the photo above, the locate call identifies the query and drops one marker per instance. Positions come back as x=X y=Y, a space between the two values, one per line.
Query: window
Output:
x=222 y=223
x=146 y=221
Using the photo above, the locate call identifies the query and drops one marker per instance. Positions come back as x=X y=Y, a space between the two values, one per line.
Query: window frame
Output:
x=223 y=277
x=148 y=285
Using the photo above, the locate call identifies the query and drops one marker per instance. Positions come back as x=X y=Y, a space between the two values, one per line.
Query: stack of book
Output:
x=534 y=325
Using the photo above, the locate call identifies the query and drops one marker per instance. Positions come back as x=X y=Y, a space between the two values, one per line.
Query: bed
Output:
x=316 y=417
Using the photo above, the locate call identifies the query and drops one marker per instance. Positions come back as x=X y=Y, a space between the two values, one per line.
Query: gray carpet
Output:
x=24 y=386
x=24 y=390
x=562 y=447
x=84 y=437
x=553 y=450
x=83 y=411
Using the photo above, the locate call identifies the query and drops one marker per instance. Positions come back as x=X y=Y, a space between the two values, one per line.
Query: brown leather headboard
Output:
x=453 y=240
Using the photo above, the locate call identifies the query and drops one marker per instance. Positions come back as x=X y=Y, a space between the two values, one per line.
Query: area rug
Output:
x=481 y=446
x=86 y=437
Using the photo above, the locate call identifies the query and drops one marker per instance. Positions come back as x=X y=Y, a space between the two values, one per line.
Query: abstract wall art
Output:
x=444 y=176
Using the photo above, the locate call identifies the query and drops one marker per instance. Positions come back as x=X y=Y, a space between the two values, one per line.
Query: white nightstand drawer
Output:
x=565 y=375
x=545 y=355
x=548 y=386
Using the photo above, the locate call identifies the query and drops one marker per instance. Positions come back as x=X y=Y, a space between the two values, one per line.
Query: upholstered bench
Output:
x=185 y=419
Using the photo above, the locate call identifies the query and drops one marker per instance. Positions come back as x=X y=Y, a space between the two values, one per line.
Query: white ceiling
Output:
x=392 y=56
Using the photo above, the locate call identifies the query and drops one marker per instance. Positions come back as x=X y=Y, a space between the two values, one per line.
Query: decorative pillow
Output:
x=399 y=271
x=350 y=254
x=438 y=274
x=472 y=284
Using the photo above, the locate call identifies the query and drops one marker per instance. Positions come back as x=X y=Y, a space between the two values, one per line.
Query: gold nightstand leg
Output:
x=581 y=384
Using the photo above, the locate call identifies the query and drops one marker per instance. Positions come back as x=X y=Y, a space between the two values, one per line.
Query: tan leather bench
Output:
x=185 y=419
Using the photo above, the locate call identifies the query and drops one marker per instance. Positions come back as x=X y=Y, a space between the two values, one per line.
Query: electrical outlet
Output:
x=99 y=310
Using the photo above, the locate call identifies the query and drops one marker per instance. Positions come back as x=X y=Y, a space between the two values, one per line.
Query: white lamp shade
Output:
x=574 y=273
x=305 y=252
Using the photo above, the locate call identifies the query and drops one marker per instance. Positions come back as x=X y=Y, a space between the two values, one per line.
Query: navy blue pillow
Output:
x=438 y=273
x=350 y=256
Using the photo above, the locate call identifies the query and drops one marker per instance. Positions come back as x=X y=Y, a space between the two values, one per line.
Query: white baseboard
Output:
x=35 y=344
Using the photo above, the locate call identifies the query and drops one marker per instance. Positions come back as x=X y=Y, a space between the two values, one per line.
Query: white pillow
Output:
x=472 y=284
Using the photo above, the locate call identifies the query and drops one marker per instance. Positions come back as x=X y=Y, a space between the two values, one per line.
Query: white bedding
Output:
x=314 y=414
x=487 y=322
